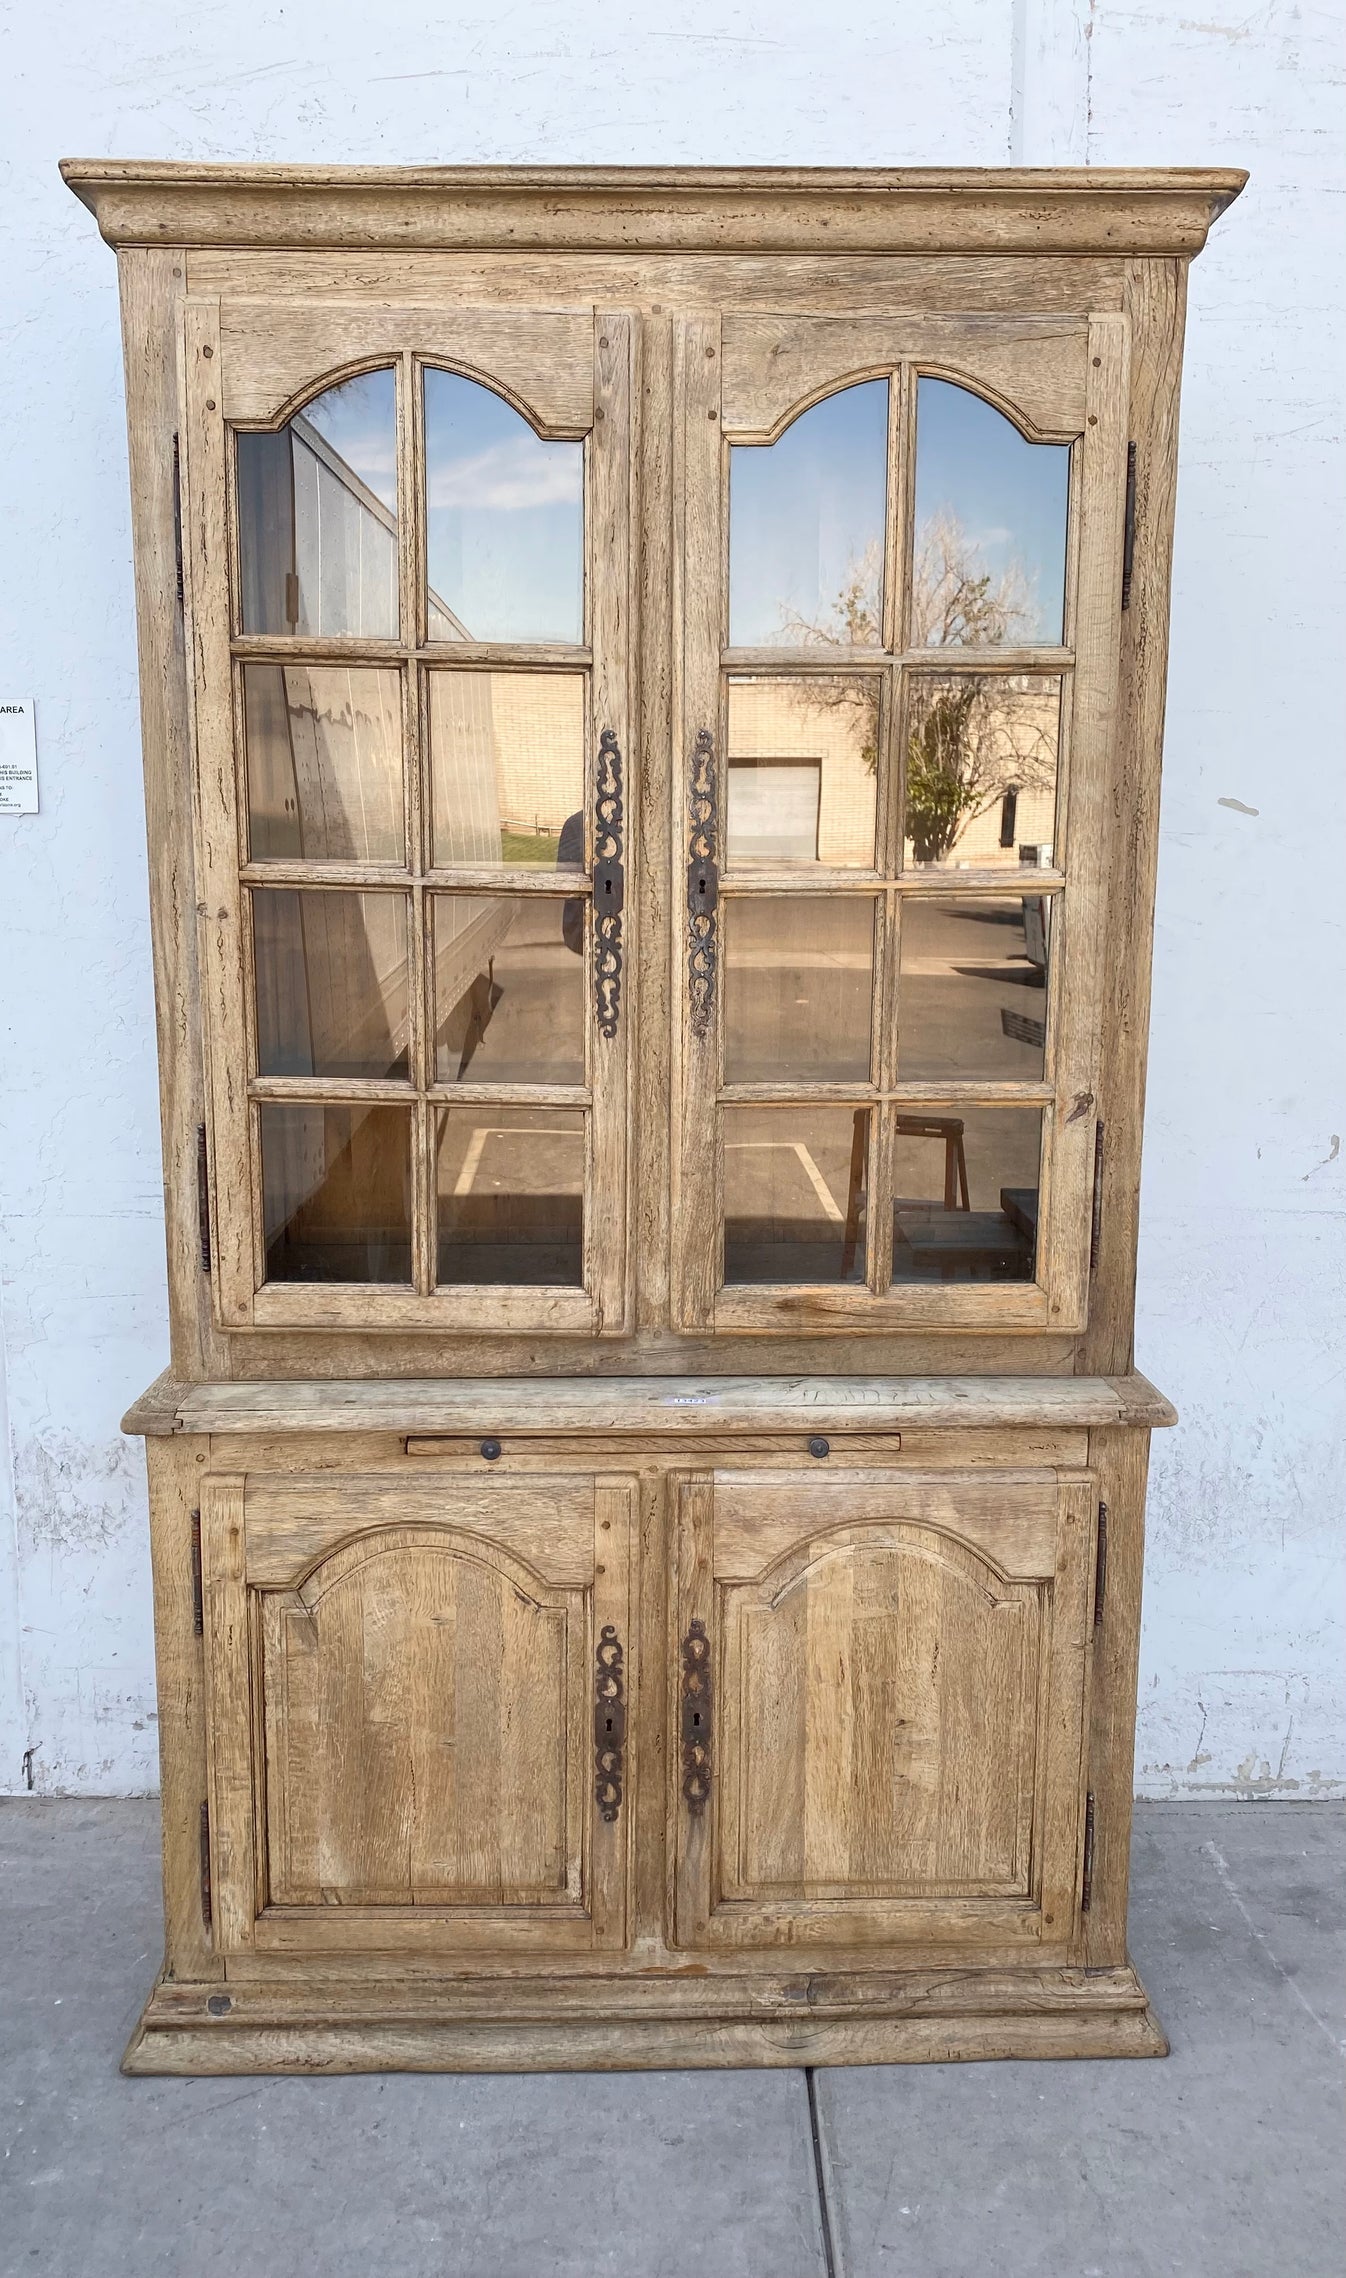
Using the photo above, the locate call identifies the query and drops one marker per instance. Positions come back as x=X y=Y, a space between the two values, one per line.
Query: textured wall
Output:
x=1243 y=1271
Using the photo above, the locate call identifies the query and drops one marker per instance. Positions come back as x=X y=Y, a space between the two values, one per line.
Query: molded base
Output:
x=624 y=2025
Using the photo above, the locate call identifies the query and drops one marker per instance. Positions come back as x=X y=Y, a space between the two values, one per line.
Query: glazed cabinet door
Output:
x=406 y=555
x=880 y=1706
x=416 y=1712
x=903 y=556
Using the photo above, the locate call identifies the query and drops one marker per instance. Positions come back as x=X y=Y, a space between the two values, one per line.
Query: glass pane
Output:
x=806 y=521
x=981 y=769
x=507 y=768
x=336 y=1192
x=965 y=1188
x=317 y=516
x=972 y=987
x=509 y=989
x=990 y=554
x=794 y=1193
x=803 y=770
x=324 y=752
x=505 y=517
x=798 y=980
x=332 y=997
x=511 y=1195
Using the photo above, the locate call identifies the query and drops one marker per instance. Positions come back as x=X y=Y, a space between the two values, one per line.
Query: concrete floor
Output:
x=1225 y=2162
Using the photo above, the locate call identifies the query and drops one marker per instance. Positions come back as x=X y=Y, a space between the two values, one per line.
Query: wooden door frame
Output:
x=257 y=359
x=734 y=382
x=244 y=1921
x=1043 y=1926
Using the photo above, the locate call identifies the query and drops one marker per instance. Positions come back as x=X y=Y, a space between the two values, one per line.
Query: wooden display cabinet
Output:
x=653 y=691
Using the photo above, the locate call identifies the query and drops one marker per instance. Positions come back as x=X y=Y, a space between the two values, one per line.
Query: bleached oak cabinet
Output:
x=652 y=689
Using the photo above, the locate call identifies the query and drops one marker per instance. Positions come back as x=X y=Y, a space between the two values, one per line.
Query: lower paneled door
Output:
x=410 y=1688
x=881 y=1694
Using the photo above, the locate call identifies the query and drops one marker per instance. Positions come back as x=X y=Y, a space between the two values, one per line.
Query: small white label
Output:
x=18 y=757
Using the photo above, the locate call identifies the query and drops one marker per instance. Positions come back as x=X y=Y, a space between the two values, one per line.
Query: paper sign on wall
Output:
x=18 y=757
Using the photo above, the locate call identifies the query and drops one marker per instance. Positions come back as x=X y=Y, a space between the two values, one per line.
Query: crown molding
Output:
x=1069 y=211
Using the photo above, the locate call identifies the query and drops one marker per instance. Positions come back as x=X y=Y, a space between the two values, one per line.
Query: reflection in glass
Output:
x=972 y=987
x=511 y=1196
x=336 y=1192
x=990 y=547
x=509 y=989
x=505 y=521
x=798 y=973
x=324 y=757
x=317 y=516
x=794 y=1193
x=332 y=995
x=981 y=754
x=806 y=521
x=965 y=1186
x=507 y=768
x=803 y=770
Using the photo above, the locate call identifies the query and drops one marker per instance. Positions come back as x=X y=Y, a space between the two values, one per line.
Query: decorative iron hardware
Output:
x=219 y=2005
x=1129 y=526
x=1100 y=1564
x=819 y=1446
x=198 y=1593
x=207 y=1901
x=1087 y=1875
x=1096 y=1209
x=703 y=883
x=696 y=1712
x=609 y=883
x=177 y=516
x=609 y=1722
x=490 y=1449
x=203 y=1196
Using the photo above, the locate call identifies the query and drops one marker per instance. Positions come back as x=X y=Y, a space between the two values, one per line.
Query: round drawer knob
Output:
x=819 y=1446
x=491 y=1450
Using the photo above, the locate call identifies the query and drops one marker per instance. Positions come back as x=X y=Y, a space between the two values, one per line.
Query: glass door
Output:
x=412 y=730
x=903 y=549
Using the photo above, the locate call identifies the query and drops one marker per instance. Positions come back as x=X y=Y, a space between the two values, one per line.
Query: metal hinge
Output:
x=1129 y=526
x=1096 y=1210
x=696 y=1714
x=198 y=1594
x=1087 y=1878
x=203 y=1196
x=177 y=514
x=609 y=1722
x=1100 y=1564
x=207 y=1908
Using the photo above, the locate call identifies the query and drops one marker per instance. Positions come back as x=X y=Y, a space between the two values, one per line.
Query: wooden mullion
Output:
x=567 y=885
x=355 y=1090
x=359 y=648
x=510 y=1095
x=1019 y=879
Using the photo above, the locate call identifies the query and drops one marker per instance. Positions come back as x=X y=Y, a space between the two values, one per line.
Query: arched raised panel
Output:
x=421 y=1734
x=886 y=1680
x=273 y=358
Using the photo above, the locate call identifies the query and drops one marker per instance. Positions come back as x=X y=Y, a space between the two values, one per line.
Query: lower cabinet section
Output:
x=541 y=1762
x=403 y=1683
x=882 y=1694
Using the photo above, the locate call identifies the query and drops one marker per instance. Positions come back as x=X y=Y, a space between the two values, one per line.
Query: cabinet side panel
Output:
x=1121 y=1461
x=175 y=1468
x=152 y=284
x=1156 y=302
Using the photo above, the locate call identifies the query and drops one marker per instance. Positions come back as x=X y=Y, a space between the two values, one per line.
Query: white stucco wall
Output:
x=1241 y=1312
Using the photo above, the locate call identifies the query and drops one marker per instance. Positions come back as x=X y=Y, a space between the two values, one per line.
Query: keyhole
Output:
x=607 y=1724
x=696 y=1716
